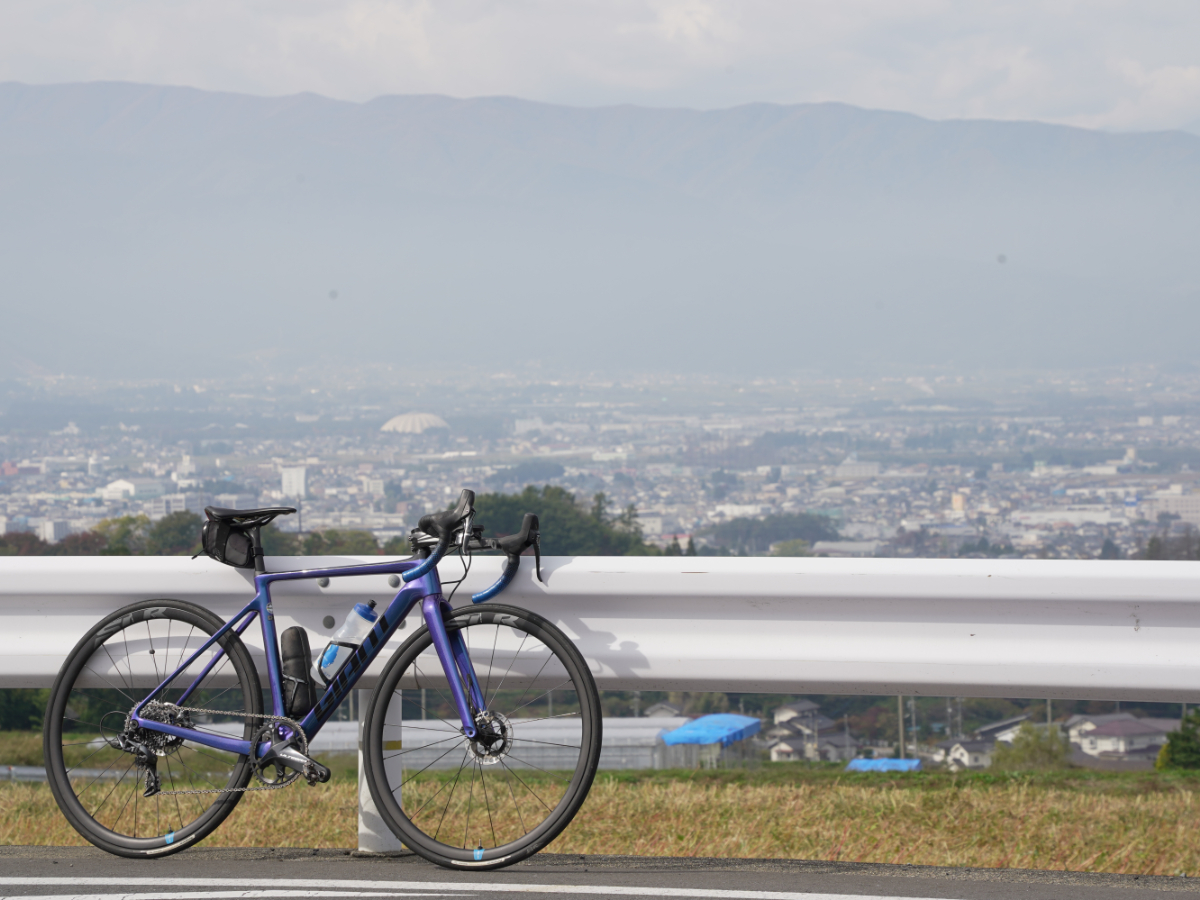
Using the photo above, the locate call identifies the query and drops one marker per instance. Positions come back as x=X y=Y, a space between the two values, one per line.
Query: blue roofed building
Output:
x=711 y=740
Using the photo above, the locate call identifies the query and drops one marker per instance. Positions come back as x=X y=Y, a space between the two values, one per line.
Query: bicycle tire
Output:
x=386 y=706
x=173 y=830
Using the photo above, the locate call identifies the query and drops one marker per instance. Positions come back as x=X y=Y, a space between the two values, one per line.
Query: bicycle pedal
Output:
x=315 y=773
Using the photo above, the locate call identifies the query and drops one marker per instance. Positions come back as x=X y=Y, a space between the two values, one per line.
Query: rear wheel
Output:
x=98 y=779
x=490 y=802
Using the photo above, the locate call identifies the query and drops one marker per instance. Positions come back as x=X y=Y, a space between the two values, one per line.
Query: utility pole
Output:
x=637 y=703
x=1049 y=716
x=900 y=721
x=846 y=718
x=912 y=708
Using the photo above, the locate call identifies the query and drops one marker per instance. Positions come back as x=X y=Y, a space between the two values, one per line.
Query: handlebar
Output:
x=512 y=546
x=505 y=579
x=444 y=527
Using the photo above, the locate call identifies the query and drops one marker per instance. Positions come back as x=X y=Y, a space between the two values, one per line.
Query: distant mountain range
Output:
x=163 y=230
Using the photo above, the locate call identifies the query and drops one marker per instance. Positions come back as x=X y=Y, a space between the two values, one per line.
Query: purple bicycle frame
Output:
x=427 y=588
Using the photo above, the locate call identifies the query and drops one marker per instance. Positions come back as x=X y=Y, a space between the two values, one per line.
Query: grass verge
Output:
x=1082 y=821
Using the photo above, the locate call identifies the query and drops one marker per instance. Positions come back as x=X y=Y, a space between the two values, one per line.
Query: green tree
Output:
x=1110 y=550
x=87 y=543
x=22 y=543
x=699 y=703
x=22 y=708
x=691 y=547
x=756 y=535
x=335 y=543
x=1182 y=749
x=792 y=548
x=1032 y=748
x=124 y=536
x=397 y=546
x=567 y=529
x=280 y=543
x=176 y=534
x=673 y=549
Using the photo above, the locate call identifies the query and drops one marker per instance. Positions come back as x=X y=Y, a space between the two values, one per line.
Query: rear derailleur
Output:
x=147 y=745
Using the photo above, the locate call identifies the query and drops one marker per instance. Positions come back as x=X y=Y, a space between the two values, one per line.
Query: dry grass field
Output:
x=1080 y=821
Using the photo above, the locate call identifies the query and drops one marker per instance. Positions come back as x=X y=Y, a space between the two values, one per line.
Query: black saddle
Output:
x=247 y=517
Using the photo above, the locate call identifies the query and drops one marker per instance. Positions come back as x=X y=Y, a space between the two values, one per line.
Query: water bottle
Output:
x=358 y=624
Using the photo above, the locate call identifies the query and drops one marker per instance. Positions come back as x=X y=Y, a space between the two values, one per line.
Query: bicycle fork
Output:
x=456 y=663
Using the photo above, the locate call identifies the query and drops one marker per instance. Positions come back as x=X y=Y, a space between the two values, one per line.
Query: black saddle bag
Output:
x=299 y=692
x=227 y=544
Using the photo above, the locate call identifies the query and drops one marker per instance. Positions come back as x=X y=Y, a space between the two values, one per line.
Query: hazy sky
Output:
x=1116 y=64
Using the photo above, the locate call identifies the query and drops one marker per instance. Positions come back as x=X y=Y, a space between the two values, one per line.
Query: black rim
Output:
x=97 y=780
x=493 y=801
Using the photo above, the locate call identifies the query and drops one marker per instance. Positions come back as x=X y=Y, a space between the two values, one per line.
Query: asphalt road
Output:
x=217 y=874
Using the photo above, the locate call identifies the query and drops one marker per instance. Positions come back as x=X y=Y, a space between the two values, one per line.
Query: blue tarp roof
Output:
x=721 y=728
x=884 y=765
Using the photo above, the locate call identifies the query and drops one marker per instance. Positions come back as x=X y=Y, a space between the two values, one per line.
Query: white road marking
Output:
x=216 y=895
x=344 y=887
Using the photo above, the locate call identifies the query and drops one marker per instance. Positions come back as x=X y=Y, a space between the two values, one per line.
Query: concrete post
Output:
x=373 y=834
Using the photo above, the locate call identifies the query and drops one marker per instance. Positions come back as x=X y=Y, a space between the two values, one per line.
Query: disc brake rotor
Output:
x=493 y=738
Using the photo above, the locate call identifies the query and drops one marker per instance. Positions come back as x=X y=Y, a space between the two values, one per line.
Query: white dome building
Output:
x=414 y=423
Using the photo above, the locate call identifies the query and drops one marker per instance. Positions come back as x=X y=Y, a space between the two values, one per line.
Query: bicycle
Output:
x=186 y=752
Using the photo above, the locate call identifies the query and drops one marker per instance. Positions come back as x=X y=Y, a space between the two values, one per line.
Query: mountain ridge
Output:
x=157 y=200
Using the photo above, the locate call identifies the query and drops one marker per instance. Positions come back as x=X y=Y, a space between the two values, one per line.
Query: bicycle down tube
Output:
x=426 y=589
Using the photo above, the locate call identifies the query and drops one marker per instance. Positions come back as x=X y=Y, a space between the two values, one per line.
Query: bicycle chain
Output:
x=292 y=723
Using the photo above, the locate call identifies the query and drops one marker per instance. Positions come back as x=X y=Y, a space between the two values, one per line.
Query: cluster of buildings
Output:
x=892 y=479
x=1118 y=741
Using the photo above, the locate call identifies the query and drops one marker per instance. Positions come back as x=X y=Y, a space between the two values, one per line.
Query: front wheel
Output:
x=484 y=803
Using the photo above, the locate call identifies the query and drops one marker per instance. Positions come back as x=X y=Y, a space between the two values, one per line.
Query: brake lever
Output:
x=537 y=554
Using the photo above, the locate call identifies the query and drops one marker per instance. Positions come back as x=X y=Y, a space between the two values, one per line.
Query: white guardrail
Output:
x=1115 y=630
x=1111 y=630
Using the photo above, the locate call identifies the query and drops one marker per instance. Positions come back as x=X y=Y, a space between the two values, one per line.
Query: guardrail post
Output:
x=373 y=834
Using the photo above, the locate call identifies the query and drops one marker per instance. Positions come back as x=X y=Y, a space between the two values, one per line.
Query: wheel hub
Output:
x=493 y=738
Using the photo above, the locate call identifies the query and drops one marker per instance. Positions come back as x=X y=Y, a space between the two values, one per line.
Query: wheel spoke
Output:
x=491 y=662
x=514 y=774
x=508 y=781
x=411 y=777
x=540 y=696
x=511 y=663
x=568 y=715
x=453 y=787
x=453 y=737
x=487 y=804
x=518 y=740
x=109 y=683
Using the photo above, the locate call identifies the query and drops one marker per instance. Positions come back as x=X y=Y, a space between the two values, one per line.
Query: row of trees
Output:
x=568 y=529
